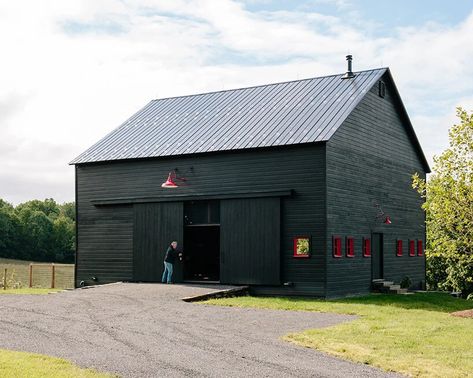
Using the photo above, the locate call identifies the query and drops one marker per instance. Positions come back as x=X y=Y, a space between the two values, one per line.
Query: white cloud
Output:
x=72 y=71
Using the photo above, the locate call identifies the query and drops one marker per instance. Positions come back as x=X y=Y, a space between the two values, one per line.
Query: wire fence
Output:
x=37 y=275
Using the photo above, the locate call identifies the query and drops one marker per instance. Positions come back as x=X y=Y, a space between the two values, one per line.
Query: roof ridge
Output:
x=265 y=85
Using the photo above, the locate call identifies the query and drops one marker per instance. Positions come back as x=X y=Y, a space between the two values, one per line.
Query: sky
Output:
x=72 y=71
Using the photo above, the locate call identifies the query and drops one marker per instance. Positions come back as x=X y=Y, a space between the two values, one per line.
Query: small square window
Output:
x=350 y=246
x=337 y=246
x=399 y=248
x=420 y=248
x=302 y=247
x=412 y=248
x=366 y=247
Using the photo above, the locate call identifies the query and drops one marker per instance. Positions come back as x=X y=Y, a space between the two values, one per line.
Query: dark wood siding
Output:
x=301 y=168
x=109 y=231
x=155 y=226
x=250 y=241
x=372 y=158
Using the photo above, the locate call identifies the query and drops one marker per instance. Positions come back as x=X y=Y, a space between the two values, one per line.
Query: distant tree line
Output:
x=38 y=231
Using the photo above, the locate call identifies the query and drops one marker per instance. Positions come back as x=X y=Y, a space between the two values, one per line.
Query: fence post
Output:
x=53 y=275
x=5 y=280
x=31 y=275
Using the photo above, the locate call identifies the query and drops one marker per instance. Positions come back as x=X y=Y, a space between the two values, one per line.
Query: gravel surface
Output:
x=145 y=330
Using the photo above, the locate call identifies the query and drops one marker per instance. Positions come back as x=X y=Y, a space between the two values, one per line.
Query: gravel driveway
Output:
x=145 y=330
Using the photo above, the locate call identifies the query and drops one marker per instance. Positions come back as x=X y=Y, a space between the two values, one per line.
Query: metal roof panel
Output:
x=294 y=112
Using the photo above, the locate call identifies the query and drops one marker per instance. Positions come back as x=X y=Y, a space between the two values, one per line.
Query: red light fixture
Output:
x=170 y=181
x=387 y=220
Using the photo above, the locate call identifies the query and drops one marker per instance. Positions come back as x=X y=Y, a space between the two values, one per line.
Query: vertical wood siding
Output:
x=250 y=241
x=106 y=233
x=371 y=158
x=155 y=226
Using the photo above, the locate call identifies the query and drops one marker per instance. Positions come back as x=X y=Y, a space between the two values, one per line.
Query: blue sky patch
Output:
x=102 y=26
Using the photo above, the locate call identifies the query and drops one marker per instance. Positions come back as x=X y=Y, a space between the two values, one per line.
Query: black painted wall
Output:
x=372 y=158
x=105 y=233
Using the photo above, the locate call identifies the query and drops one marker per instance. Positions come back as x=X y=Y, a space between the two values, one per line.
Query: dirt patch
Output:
x=463 y=314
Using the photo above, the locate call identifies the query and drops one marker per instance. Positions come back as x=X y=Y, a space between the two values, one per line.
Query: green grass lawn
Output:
x=411 y=334
x=27 y=290
x=21 y=364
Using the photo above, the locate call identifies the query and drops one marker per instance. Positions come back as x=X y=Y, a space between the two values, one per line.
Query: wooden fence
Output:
x=44 y=275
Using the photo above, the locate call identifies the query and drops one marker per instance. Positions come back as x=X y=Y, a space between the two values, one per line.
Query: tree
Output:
x=38 y=230
x=8 y=229
x=449 y=208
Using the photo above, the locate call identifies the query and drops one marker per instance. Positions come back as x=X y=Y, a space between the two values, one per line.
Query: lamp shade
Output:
x=169 y=182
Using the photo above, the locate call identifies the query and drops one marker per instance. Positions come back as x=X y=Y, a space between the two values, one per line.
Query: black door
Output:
x=155 y=226
x=377 y=256
x=250 y=241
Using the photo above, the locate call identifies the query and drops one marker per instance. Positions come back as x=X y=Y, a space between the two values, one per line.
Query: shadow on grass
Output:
x=438 y=302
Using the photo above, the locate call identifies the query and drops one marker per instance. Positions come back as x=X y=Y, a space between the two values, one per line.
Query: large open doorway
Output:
x=202 y=241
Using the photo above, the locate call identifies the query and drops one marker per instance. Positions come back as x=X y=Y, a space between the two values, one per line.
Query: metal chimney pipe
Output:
x=349 y=74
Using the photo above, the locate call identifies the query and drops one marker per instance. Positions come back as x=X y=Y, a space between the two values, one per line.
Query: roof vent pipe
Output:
x=349 y=74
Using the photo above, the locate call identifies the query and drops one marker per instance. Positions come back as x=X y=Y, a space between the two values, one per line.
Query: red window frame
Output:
x=420 y=247
x=366 y=247
x=337 y=246
x=412 y=248
x=398 y=248
x=350 y=246
x=295 y=254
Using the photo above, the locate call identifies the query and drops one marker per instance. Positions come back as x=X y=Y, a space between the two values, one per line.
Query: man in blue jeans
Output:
x=169 y=259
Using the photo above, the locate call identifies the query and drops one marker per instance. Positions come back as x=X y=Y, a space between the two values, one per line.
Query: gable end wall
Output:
x=372 y=158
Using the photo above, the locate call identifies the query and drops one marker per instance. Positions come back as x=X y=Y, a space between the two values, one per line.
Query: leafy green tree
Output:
x=449 y=207
x=8 y=229
x=64 y=239
x=38 y=230
x=49 y=207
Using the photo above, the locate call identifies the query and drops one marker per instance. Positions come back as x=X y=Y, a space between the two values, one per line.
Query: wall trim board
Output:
x=191 y=197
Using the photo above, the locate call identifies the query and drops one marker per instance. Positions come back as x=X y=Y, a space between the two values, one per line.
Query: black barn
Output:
x=295 y=188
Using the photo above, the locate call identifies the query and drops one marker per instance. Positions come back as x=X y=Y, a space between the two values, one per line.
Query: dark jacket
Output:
x=171 y=255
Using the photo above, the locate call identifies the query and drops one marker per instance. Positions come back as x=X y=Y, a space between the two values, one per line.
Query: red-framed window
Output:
x=420 y=248
x=301 y=245
x=399 y=248
x=366 y=247
x=412 y=248
x=350 y=246
x=337 y=246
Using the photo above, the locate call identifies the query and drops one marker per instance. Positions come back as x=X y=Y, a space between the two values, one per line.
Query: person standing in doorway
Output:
x=169 y=260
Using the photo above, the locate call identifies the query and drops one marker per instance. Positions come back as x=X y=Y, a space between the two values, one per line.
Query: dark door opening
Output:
x=377 y=256
x=202 y=253
x=202 y=241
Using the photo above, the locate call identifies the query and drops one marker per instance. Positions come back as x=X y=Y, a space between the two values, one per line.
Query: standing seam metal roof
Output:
x=294 y=112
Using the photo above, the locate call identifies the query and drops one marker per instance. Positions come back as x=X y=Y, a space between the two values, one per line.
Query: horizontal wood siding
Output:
x=301 y=168
x=372 y=158
x=105 y=243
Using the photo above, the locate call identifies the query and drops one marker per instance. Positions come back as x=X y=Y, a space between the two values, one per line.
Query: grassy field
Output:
x=27 y=290
x=4 y=261
x=18 y=274
x=411 y=334
x=21 y=364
